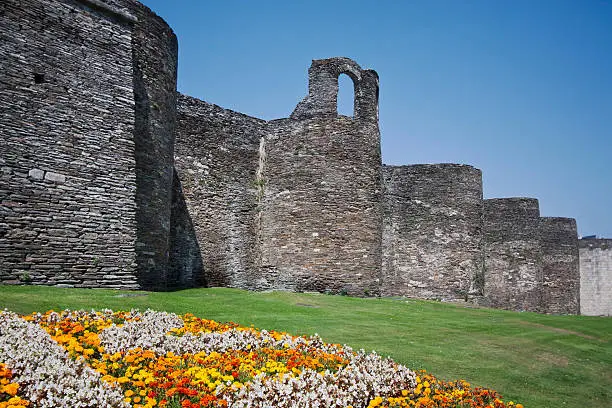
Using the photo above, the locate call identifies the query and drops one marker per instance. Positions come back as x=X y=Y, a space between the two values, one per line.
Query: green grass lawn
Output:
x=538 y=360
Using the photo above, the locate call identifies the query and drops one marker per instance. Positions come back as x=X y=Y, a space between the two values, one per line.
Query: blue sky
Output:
x=521 y=89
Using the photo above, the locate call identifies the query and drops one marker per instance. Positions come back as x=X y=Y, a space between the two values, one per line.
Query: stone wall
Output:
x=154 y=80
x=320 y=178
x=596 y=277
x=560 y=266
x=216 y=157
x=68 y=213
x=87 y=95
x=513 y=266
x=432 y=231
x=186 y=268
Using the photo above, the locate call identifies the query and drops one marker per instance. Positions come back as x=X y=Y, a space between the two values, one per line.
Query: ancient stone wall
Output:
x=596 y=277
x=186 y=268
x=216 y=157
x=513 y=266
x=432 y=231
x=320 y=179
x=560 y=266
x=154 y=81
x=81 y=129
x=68 y=213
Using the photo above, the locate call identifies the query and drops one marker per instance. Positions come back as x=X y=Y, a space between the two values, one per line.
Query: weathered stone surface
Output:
x=268 y=212
x=36 y=174
x=432 y=231
x=82 y=130
x=55 y=177
x=560 y=266
x=321 y=220
x=319 y=179
x=60 y=58
x=155 y=56
x=216 y=158
x=513 y=256
x=596 y=277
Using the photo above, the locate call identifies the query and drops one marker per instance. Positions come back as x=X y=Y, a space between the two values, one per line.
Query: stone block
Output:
x=55 y=177
x=36 y=174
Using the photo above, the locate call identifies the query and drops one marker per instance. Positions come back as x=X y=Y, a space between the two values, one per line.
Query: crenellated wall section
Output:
x=321 y=204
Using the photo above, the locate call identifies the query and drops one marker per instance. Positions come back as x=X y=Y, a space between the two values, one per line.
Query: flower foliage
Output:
x=156 y=359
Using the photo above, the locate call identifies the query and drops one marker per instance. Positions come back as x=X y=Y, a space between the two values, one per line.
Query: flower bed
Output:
x=149 y=359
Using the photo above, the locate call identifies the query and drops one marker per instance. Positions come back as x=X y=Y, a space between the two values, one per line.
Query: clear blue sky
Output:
x=521 y=89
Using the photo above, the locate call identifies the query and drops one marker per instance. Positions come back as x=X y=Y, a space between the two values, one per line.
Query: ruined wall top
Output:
x=116 y=9
x=594 y=243
x=509 y=219
x=322 y=98
x=515 y=207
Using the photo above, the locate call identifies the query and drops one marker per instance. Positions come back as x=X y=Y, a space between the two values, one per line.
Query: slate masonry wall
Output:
x=321 y=208
x=87 y=120
x=560 y=266
x=513 y=268
x=432 y=231
x=68 y=214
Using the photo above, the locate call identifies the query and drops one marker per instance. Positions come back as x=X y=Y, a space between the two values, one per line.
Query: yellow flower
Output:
x=375 y=402
x=11 y=389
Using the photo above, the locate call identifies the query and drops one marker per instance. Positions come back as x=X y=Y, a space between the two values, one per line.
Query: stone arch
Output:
x=346 y=96
x=323 y=90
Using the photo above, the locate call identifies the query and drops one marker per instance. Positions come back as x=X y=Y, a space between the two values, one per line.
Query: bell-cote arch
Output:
x=322 y=99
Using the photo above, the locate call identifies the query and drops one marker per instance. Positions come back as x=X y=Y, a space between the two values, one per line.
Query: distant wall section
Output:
x=513 y=268
x=596 y=277
x=432 y=231
x=560 y=266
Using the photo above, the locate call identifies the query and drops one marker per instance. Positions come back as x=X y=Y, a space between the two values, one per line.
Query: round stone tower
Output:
x=320 y=181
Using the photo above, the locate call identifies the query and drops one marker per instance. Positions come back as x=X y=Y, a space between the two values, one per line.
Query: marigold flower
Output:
x=10 y=389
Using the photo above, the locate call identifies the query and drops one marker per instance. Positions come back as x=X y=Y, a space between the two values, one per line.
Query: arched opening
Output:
x=346 y=96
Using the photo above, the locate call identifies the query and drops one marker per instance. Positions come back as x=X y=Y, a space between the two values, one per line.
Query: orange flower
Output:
x=11 y=389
